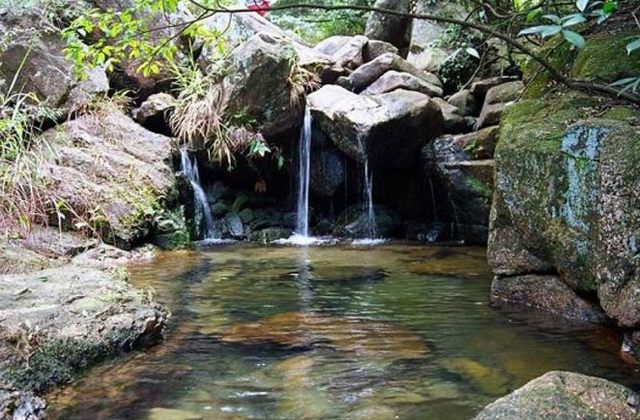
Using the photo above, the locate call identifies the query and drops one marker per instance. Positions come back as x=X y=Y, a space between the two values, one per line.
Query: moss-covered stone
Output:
x=567 y=184
x=560 y=54
x=605 y=59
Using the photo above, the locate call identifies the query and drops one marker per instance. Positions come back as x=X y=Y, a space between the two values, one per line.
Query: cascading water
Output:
x=302 y=227
x=369 y=213
x=190 y=168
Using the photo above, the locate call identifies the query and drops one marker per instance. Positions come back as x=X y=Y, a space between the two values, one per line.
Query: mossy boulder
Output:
x=565 y=395
x=605 y=59
x=568 y=193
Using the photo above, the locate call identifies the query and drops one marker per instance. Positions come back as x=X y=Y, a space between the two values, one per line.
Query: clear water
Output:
x=392 y=332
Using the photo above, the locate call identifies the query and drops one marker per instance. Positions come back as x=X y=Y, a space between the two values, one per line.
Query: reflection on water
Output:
x=397 y=331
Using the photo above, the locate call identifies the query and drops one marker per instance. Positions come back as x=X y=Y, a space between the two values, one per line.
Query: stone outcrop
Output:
x=390 y=28
x=422 y=52
x=373 y=70
x=393 y=80
x=567 y=197
x=565 y=395
x=390 y=128
x=67 y=314
x=109 y=172
x=258 y=84
x=462 y=168
x=497 y=99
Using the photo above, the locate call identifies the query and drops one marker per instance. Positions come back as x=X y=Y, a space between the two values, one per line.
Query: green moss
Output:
x=479 y=187
x=621 y=113
x=559 y=54
x=604 y=58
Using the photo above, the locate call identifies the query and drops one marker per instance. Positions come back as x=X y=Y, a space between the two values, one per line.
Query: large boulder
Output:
x=259 y=85
x=373 y=70
x=565 y=395
x=328 y=172
x=36 y=62
x=462 y=170
x=423 y=52
x=390 y=28
x=393 y=80
x=567 y=195
x=238 y=28
x=391 y=128
x=108 y=173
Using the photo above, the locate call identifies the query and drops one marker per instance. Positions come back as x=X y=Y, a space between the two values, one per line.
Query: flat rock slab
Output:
x=566 y=395
x=59 y=321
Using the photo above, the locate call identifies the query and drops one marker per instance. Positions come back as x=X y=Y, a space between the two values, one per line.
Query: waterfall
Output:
x=302 y=227
x=370 y=213
x=190 y=168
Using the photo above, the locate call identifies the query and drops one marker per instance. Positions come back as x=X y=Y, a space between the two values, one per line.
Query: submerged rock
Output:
x=391 y=127
x=565 y=395
x=303 y=330
x=488 y=380
x=548 y=293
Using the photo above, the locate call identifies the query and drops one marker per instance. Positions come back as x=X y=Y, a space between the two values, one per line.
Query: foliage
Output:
x=314 y=25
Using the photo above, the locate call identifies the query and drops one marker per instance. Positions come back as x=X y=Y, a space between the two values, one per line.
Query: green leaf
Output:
x=574 y=19
x=582 y=4
x=473 y=52
x=532 y=15
x=553 y=18
x=609 y=7
x=550 y=30
x=574 y=38
x=632 y=46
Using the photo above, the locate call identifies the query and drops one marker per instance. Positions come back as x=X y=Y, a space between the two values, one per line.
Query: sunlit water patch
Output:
x=394 y=331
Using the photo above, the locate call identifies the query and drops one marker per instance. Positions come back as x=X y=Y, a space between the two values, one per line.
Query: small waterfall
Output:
x=370 y=212
x=302 y=227
x=190 y=168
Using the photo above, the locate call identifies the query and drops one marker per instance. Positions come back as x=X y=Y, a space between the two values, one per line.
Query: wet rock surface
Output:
x=565 y=395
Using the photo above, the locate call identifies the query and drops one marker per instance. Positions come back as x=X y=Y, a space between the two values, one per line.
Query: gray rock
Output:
x=80 y=315
x=350 y=54
x=332 y=44
x=464 y=175
x=454 y=122
x=465 y=101
x=390 y=28
x=393 y=80
x=498 y=98
x=392 y=127
x=109 y=165
x=565 y=395
x=353 y=223
x=568 y=191
x=39 y=66
x=480 y=88
x=257 y=84
x=422 y=52
x=374 y=49
x=548 y=293
x=328 y=172
x=153 y=111
x=234 y=226
x=20 y=405
x=373 y=70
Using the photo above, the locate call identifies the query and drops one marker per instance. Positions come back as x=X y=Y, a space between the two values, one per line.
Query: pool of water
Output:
x=398 y=331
